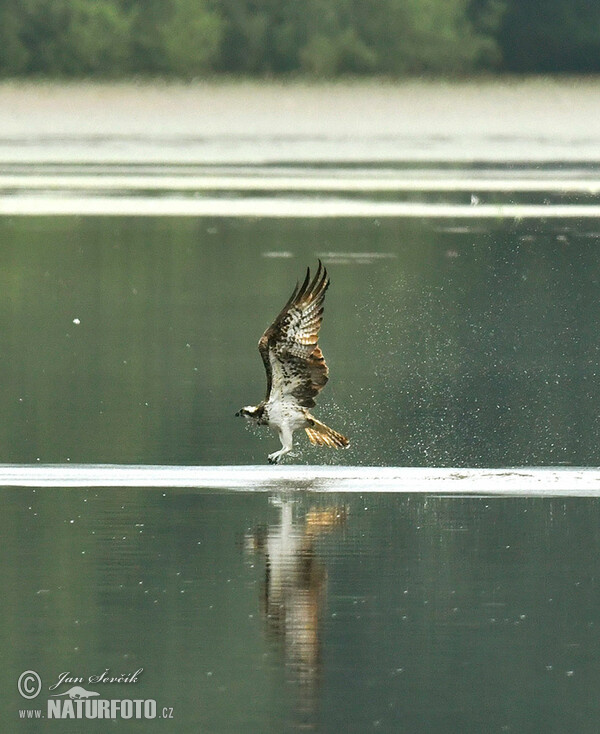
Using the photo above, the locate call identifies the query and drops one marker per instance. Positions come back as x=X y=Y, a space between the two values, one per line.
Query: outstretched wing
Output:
x=294 y=363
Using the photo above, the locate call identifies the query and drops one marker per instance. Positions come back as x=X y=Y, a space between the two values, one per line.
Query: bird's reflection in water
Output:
x=293 y=595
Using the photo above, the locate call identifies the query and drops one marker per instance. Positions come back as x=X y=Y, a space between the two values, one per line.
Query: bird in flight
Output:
x=296 y=369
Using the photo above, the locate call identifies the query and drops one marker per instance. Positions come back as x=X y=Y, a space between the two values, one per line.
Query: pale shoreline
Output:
x=279 y=208
x=542 y=481
x=533 y=120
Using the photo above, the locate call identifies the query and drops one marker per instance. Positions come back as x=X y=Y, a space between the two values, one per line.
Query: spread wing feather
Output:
x=294 y=363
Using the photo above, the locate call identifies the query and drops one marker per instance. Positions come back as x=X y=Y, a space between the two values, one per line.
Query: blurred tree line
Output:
x=322 y=38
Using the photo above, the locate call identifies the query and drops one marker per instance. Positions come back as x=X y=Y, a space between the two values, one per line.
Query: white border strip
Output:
x=543 y=481
x=275 y=207
x=266 y=182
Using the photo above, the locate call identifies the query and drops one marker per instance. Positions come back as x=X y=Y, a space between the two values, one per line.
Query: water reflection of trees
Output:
x=293 y=594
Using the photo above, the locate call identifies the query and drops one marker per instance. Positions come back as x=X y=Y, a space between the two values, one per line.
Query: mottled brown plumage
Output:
x=289 y=346
x=295 y=367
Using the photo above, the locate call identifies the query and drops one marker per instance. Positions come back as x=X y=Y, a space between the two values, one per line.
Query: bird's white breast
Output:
x=284 y=414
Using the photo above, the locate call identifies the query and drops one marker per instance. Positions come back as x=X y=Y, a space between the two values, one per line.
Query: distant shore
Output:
x=238 y=122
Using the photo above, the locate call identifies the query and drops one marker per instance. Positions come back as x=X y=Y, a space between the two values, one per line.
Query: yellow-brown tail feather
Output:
x=321 y=435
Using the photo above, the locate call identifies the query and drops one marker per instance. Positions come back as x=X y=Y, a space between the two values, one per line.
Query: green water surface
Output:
x=133 y=340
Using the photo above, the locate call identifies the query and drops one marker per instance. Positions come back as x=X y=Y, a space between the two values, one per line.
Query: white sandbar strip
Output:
x=542 y=481
x=277 y=207
x=380 y=182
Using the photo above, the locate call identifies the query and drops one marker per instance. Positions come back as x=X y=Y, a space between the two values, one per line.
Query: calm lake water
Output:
x=456 y=335
x=450 y=342
x=273 y=612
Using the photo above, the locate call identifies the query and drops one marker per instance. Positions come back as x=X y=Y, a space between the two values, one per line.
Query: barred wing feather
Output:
x=295 y=366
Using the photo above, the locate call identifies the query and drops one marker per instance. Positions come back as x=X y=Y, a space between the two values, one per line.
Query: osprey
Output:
x=296 y=369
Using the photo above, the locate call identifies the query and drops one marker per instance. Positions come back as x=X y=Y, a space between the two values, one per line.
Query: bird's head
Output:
x=250 y=412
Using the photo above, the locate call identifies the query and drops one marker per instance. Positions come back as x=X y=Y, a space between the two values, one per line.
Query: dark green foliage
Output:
x=551 y=35
x=332 y=37
x=68 y=37
x=320 y=38
x=107 y=37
